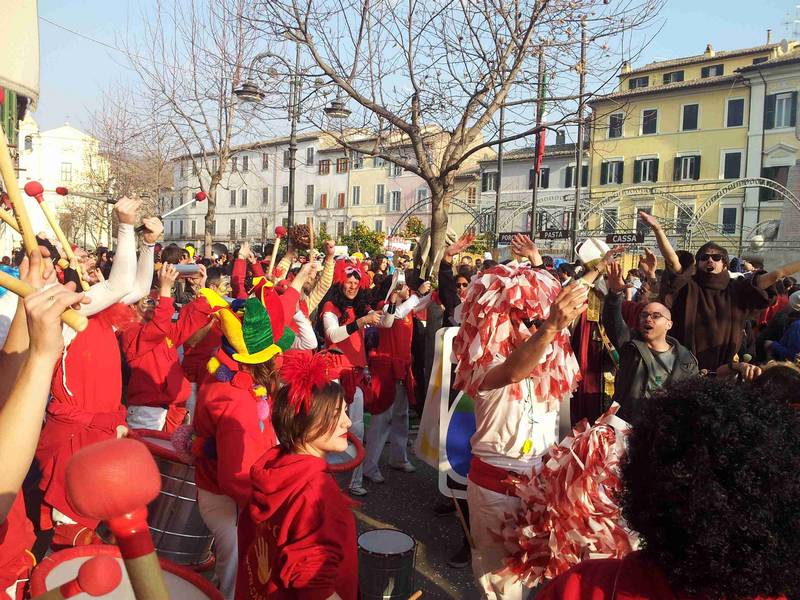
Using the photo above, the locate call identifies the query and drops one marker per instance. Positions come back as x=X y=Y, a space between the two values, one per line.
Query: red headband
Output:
x=349 y=268
x=305 y=374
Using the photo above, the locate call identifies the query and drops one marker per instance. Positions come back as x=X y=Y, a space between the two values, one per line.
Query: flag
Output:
x=540 y=136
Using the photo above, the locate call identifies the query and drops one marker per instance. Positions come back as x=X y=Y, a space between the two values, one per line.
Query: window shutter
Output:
x=769 y=112
x=484 y=179
x=676 y=169
x=531 y=178
x=704 y=72
x=637 y=169
x=793 y=118
x=655 y=170
x=584 y=175
x=603 y=173
x=696 y=171
x=620 y=172
x=544 y=178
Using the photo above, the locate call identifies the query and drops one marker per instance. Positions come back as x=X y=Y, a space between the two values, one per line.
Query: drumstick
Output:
x=280 y=231
x=415 y=595
x=10 y=180
x=114 y=481
x=6 y=215
x=98 y=576
x=35 y=190
x=71 y=317
x=463 y=521
x=312 y=253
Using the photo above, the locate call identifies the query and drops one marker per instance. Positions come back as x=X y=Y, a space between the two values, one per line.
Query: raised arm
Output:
x=326 y=280
x=667 y=251
x=768 y=279
x=144 y=267
x=618 y=331
x=523 y=246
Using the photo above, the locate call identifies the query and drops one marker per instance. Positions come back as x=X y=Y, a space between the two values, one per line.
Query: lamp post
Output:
x=249 y=91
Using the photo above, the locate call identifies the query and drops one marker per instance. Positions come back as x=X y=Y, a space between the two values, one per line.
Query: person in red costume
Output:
x=712 y=493
x=26 y=386
x=231 y=422
x=297 y=537
x=158 y=389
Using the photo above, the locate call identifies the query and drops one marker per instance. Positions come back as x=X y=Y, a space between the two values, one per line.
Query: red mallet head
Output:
x=62 y=191
x=98 y=576
x=200 y=196
x=280 y=231
x=6 y=201
x=34 y=189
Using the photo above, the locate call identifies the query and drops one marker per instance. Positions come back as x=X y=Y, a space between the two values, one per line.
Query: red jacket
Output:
x=152 y=353
x=299 y=529
x=239 y=274
x=391 y=362
x=195 y=358
x=353 y=351
x=226 y=420
x=16 y=537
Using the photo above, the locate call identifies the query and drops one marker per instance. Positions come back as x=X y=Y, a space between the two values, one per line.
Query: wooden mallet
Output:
x=71 y=317
x=198 y=197
x=98 y=576
x=8 y=215
x=114 y=481
x=35 y=190
x=12 y=188
x=280 y=231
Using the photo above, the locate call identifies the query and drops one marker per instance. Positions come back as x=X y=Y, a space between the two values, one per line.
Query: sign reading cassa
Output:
x=553 y=234
x=624 y=238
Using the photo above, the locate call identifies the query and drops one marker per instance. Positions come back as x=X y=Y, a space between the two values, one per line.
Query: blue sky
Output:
x=74 y=71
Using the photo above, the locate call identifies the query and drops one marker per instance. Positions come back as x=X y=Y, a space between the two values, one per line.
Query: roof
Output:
x=550 y=151
x=698 y=58
x=302 y=137
x=786 y=59
x=669 y=87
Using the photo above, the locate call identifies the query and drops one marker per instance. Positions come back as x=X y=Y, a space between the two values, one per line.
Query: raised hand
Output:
x=329 y=248
x=153 y=228
x=616 y=280
x=32 y=272
x=522 y=245
x=648 y=219
x=647 y=264
x=167 y=276
x=43 y=311
x=461 y=244
x=570 y=303
x=198 y=281
x=126 y=209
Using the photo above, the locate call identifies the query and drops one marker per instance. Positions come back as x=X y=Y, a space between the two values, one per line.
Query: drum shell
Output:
x=386 y=576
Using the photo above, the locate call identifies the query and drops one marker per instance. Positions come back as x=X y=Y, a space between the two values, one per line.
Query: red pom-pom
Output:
x=112 y=478
x=33 y=189
x=200 y=196
x=280 y=231
x=62 y=191
x=305 y=374
x=99 y=575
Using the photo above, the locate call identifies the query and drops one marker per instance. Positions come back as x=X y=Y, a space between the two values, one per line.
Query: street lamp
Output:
x=250 y=92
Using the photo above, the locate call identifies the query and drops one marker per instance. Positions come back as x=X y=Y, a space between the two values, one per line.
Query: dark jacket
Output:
x=636 y=360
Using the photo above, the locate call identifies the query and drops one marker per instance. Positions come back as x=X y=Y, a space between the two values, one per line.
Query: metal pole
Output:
x=499 y=180
x=294 y=109
x=579 y=147
x=539 y=118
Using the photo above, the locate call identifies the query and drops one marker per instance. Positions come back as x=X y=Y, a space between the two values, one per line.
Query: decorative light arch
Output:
x=458 y=203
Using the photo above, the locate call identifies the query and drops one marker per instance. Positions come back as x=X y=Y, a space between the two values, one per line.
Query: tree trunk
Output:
x=440 y=204
x=211 y=211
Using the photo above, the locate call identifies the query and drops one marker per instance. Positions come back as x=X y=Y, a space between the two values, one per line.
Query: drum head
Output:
x=386 y=542
x=158 y=442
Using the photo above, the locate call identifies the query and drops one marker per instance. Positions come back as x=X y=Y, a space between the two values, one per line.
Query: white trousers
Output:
x=221 y=515
x=356 y=413
x=147 y=417
x=391 y=424
x=487 y=510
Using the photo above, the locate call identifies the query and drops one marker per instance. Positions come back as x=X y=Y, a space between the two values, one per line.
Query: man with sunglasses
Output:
x=649 y=359
x=709 y=307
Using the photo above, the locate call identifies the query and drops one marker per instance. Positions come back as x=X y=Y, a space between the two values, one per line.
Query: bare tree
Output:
x=428 y=79
x=191 y=57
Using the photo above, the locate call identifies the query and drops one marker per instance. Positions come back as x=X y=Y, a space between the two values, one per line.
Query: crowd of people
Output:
x=259 y=371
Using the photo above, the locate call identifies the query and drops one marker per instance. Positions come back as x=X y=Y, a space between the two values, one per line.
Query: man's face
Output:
x=223 y=288
x=350 y=287
x=655 y=321
x=711 y=261
x=466 y=260
x=462 y=283
x=146 y=307
x=184 y=258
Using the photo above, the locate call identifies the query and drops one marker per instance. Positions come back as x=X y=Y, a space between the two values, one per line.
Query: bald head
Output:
x=657 y=307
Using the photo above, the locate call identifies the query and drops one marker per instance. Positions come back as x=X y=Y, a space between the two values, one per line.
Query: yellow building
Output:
x=680 y=138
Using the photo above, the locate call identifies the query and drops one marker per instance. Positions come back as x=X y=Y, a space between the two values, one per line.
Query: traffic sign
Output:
x=624 y=238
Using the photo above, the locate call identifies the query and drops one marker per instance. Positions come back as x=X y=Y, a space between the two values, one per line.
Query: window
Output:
x=472 y=194
x=244 y=228
x=649 y=121
x=378 y=225
x=353 y=225
x=28 y=143
x=356 y=194
x=638 y=82
x=544 y=178
x=172 y=227
x=194 y=228
x=358 y=160
x=66 y=171
x=422 y=194
x=243 y=199
x=778 y=175
x=615 y=123
x=235 y=164
x=611 y=172
x=735 y=113
x=682 y=218
x=729 y=219
x=380 y=190
x=245 y=163
x=180 y=227
x=340 y=200
x=310 y=156
x=309 y=195
x=673 y=77
x=686 y=168
x=323 y=200
x=264 y=161
x=341 y=165
x=265 y=196
x=732 y=165
x=610 y=216
x=285 y=195
x=378 y=162
x=645 y=169
x=488 y=182
x=397 y=170
x=760 y=59
x=690 y=114
x=569 y=176
x=232 y=229
x=641 y=227
x=233 y=198
x=286 y=158
x=780 y=110
x=712 y=71
x=324 y=167
x=339 y=229
x=394 y=200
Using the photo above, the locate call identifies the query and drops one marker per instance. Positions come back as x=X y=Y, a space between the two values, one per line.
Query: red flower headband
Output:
x=305 y=374
x=351 y=268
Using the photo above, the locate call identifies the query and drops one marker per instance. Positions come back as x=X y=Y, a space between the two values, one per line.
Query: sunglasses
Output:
x=653 y=315
x=714 y=257
x=462 y=285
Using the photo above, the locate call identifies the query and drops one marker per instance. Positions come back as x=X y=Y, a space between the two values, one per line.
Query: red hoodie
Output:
x=297 y=537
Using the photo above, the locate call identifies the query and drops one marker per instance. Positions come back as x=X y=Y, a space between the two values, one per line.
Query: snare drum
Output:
x=61 y=567
x=386 y=564
x=179 y=532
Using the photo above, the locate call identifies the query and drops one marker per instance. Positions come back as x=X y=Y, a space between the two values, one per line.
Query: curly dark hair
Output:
x=711 y=482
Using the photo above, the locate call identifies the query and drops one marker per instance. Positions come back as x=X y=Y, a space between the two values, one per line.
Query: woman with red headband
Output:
x=297 y=537
x=344 y=317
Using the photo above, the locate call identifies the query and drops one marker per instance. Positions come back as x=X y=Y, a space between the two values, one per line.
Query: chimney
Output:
x=626 y=67
x=709 y=50
x=769 y=36
x=561 y=137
